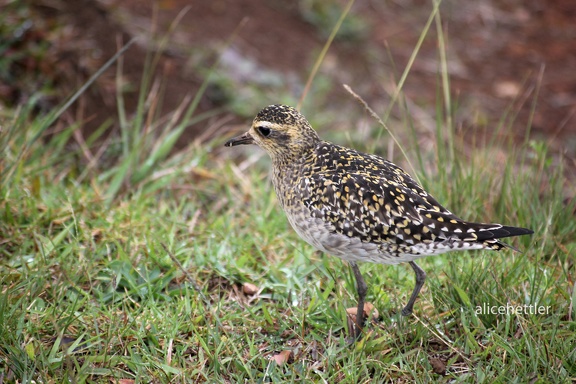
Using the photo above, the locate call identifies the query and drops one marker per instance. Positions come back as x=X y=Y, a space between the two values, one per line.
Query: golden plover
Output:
x=357 y=206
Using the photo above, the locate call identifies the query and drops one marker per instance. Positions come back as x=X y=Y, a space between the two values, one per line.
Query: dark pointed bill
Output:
x=240 y=140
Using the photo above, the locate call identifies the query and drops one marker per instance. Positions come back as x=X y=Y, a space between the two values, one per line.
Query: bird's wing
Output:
x=366 y=196
x=373 y=208
x=384 y=210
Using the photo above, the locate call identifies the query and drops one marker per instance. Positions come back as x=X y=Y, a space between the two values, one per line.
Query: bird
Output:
x=360 y=207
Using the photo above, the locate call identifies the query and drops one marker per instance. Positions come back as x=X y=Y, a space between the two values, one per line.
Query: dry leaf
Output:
x=249 y=289
x=368 y=309
x=352 y=311
x=282 y=357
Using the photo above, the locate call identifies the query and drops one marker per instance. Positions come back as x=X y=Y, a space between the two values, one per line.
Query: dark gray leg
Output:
x=420 y=278
x=361 y=288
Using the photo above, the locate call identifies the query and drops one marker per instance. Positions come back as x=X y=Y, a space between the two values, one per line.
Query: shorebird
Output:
x=357 y=206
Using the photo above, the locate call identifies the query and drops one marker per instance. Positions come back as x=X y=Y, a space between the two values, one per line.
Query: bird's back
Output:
x=362 y=207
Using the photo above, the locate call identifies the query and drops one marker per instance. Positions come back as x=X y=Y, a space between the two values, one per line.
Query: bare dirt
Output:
x=508 y=60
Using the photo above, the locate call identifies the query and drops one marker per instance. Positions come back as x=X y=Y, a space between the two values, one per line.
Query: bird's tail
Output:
x=490 y=234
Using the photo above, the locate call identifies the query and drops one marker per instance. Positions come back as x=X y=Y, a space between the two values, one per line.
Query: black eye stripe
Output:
x=264 y=131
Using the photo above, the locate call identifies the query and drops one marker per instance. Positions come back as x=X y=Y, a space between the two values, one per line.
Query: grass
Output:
x=136 y=270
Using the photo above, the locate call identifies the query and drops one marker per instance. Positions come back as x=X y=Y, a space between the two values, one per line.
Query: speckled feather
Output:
x=357 y=206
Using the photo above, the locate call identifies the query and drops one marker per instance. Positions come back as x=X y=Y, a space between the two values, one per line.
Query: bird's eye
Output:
x=264 y=131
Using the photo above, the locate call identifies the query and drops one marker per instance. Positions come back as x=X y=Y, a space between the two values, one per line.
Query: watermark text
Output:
x=509 y=309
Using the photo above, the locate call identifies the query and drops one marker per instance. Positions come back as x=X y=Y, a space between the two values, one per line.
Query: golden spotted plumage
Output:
x=357 y=206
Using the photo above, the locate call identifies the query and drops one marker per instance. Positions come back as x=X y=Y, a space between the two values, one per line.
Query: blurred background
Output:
x=511 y=63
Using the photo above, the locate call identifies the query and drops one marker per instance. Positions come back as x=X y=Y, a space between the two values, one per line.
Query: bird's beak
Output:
x=240 y=140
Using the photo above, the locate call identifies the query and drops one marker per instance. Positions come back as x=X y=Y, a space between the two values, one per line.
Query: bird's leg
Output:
x=420 y=278
x=361 y=288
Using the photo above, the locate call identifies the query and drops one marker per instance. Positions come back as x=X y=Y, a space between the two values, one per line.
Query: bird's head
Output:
x=281 y=131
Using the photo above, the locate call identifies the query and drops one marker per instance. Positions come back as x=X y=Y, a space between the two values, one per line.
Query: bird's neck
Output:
x=287 y=172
